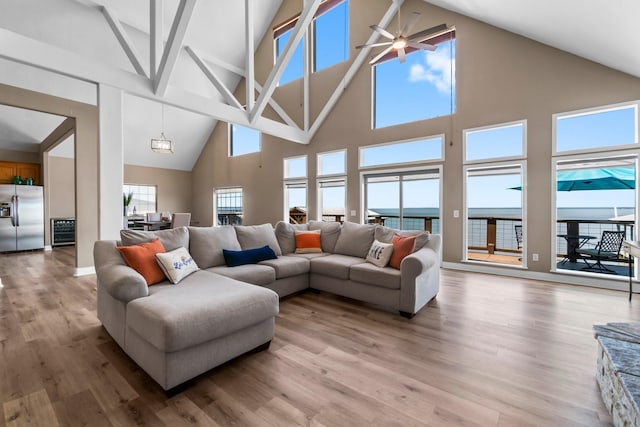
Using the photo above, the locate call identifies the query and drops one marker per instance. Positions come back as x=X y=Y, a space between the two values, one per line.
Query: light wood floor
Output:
x=489 y=351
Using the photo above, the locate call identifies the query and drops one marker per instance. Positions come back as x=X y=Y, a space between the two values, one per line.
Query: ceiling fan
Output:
x=402 y=39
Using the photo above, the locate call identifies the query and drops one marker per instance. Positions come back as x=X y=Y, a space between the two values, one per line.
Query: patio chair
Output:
x=518 y=229
x=607 y=249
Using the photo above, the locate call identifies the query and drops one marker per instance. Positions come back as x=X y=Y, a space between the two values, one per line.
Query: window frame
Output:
x=230 y=141
x=288 y=181
x=155 y=186
x=221 y=190
x=308 y=42
x=338 y=174
x=444 y=36
x=488 y=166
x=441 y=159
x=515 y=123
x=587 y=111
x=364 y=174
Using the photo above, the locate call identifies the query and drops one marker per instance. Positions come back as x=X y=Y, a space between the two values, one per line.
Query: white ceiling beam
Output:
x=306 y=70
x=124 y=40
x=239 y=71
x=25 y=50
x=353 y=69
x=214 y=79
x=174 y=44
x=276 y=72
x=249 y=54
x=156 y=41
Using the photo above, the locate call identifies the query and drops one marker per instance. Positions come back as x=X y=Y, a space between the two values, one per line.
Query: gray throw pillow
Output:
x=256 y=236
x=355 y=239
x=385 y=235
x=329 y=233
x=206 y=244
x=170 y=239
x=286 y=235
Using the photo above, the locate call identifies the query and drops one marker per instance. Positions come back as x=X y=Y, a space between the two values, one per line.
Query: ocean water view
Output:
x=509 y=218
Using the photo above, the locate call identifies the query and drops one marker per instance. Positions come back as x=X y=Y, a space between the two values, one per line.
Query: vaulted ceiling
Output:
x=80 y=38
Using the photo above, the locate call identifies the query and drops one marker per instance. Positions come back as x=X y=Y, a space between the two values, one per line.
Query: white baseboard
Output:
x=84 y=271
x=570 y=278
x=47 y=248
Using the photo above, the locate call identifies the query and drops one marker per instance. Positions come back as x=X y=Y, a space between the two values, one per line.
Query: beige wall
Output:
x=174 y=186
x=501 y=77
x=19 y=156
x=60 y=197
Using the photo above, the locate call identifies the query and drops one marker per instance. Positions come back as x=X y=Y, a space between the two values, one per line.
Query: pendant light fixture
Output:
x=162 y=144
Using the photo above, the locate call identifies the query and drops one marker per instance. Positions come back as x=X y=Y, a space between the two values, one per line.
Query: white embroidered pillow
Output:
x=380 y=253
x=176 y=264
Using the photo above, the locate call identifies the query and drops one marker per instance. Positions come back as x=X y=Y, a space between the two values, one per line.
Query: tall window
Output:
x=331 y=35
x=405 y=200
x=243 y=140
x=421 y=88
x=332 y=195
x=329 y=40
x=229 y=206
x=295 y=189
x=494 y=214
x=595 y=176
x=144 y=198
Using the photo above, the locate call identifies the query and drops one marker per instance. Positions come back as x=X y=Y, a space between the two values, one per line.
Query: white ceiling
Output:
x=604 y=31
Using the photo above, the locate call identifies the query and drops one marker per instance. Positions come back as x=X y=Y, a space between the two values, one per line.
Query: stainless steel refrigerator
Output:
x=21 y=217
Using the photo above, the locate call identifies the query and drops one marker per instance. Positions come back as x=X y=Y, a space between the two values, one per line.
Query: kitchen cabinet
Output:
x=25 y=170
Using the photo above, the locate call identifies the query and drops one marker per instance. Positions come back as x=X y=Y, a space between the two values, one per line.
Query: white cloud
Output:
x=439 y=69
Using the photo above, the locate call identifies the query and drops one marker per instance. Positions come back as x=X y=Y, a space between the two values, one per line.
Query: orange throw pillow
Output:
x=308 y=242
x=142 y=258
x=402 y=246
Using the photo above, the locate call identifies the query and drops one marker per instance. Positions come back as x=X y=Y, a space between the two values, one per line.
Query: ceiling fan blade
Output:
x=411 y=22
x=401 y=55
x=423 y=46
x=382 y=31
x=374 y=45
x=424 y=33
x=380 y=55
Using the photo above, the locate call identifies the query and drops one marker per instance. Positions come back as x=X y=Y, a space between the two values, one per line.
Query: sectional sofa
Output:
x=175 y=332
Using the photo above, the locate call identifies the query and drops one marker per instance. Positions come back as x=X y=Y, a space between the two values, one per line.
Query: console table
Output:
x=618 y=371
x=633 y=249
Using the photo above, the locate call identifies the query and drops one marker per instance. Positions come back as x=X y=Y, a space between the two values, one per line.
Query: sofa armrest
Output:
x=114 y=275
x=420 y=276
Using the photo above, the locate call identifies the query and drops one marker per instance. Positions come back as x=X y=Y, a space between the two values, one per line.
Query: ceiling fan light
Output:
x=399 y=43
x=162 y=145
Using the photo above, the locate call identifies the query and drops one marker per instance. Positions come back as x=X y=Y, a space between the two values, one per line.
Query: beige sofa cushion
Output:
x=202 y=307
x=255 y=274
x=286 y=235
x=170 y=239
x=256 y=236
x=370 y=274
x=288 y=266
x=206 y=244
x=334 y=265
x=329 y=233
x=355 y=239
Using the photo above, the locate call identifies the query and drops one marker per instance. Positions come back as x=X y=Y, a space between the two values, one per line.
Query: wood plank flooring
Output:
x=489 y=351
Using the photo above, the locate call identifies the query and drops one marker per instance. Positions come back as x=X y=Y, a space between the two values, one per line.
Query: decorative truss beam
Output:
x=120 y=33
x=16 y=47
x=249 y=54
x=156 y=42
x=213 y=78
x=298 y=31
x=174 y=44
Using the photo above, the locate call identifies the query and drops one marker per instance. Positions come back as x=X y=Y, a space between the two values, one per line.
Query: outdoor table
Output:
x=574 y=242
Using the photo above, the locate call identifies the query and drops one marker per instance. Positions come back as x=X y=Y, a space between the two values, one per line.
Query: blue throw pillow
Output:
x=248 y=256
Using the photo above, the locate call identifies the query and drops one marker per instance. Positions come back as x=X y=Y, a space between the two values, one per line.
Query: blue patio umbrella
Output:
x=616 y=178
